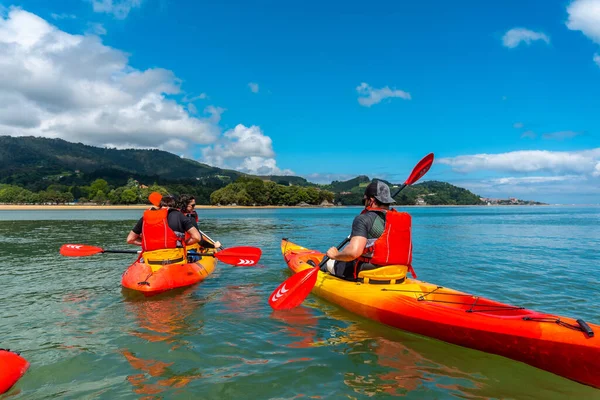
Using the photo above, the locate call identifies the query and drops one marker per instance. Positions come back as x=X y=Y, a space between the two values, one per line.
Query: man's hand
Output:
x=217 y=244
x=332 y=253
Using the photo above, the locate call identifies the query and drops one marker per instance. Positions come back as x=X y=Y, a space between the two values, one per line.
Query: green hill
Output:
x=32 y=162
x=38 y=170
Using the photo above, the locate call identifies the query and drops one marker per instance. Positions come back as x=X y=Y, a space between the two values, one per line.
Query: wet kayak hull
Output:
x=151 y=280
x=12 y=368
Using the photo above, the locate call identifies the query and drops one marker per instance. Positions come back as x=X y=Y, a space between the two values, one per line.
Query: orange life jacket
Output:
x=394 y=246
x=156 y=233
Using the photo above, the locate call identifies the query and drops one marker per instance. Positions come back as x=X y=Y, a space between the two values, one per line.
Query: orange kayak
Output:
x=12 y=368
x=154 y=279
x=561 y=345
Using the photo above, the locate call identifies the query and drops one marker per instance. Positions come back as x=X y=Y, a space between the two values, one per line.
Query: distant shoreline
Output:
x=8 y=207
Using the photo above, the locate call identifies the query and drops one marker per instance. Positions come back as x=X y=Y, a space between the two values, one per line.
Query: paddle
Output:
x=242 y=256
x=294 y=290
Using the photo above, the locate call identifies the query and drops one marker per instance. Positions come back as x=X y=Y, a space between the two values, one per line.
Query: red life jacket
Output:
x=394 y=246
x=156 y=233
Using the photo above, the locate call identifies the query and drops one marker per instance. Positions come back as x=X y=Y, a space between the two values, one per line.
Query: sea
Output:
x=87 y=338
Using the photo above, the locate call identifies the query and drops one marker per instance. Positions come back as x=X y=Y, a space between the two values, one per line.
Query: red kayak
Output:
x=12 y=368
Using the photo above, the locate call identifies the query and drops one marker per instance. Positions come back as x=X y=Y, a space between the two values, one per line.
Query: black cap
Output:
x=380 y=191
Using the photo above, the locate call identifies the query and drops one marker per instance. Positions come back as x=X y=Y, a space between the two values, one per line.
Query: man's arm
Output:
x=194 y=236
x=351 y=252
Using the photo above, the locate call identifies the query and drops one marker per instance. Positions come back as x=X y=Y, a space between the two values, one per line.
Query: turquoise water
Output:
x=86 y=339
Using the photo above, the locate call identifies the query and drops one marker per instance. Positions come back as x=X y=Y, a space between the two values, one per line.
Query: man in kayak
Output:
x=380 y=236
x=187 y=205
x=162 y=232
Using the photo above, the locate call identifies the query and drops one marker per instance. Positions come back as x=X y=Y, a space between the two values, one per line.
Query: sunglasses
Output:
x=192 y=205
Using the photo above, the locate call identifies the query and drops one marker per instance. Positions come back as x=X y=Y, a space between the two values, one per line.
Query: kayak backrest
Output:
x=390 y=274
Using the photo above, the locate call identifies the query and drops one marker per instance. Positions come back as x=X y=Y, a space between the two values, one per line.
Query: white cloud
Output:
x=596 y=170
x=518 y=125
x=246 y=149
x=529 y=134
x=516 y=36
x=560 y=135
x=55 y=84
x=63 y=16
x=189 y=99
x=119 y=8
x=369 y=95
x=584 y=16
x=96 y=29
x=328 y=177
x=215 y=113
x=527 y=180
x=253 y=87
x=528 y=161
x=597 y=59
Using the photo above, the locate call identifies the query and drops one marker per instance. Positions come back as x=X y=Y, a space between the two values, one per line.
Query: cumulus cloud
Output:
x=596 y=170
x=246 y=149
x=253 y=87
x=55 y=84
x=528 y=161
x=118 y=8
x=584 y=16
x=369 y=95
x=514 y=37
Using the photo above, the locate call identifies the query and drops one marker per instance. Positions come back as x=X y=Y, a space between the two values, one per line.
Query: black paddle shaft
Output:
x=121 y=251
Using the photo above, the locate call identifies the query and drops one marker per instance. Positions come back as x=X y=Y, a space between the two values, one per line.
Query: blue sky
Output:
x=506 y=94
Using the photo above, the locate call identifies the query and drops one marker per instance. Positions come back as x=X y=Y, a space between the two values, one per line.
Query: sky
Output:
x=505 y=94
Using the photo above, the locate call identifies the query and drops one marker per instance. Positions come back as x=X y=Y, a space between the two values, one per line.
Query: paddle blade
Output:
x=155 y=198
x=420 y=169
x=242 y=256
x=294 y=290
x=79 y=250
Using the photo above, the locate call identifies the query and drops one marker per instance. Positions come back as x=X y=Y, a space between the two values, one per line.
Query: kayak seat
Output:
x=158 y=258
x=388 y=275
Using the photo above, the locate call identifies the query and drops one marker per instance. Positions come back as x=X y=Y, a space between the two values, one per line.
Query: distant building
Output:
x=420 y=202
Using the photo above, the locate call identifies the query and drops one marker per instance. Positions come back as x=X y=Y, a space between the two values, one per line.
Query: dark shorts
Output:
x=345 y=269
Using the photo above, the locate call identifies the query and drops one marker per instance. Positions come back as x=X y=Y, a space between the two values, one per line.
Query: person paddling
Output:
x=164 y=233
x=380 y=236
x=187 y=205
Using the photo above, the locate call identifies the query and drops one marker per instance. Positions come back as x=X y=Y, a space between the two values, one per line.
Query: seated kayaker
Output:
x=164 y=233
x=187 y=205
x=380 y=236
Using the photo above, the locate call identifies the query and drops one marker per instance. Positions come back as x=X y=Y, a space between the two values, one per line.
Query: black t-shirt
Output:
x=176 y=220
x=363 y=223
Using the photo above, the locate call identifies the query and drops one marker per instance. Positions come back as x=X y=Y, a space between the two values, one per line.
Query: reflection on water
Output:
x=165 y=318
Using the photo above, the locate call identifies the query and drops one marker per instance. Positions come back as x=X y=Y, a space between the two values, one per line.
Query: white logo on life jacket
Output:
x=279 y=293
x=245 y=262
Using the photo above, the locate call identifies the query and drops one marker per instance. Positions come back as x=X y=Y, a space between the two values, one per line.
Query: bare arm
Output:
x=351 y=252
x=134 y=238
x=194 y=236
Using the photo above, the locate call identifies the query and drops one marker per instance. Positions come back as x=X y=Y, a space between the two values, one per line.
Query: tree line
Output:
x=244 y=191
x=247 y=191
